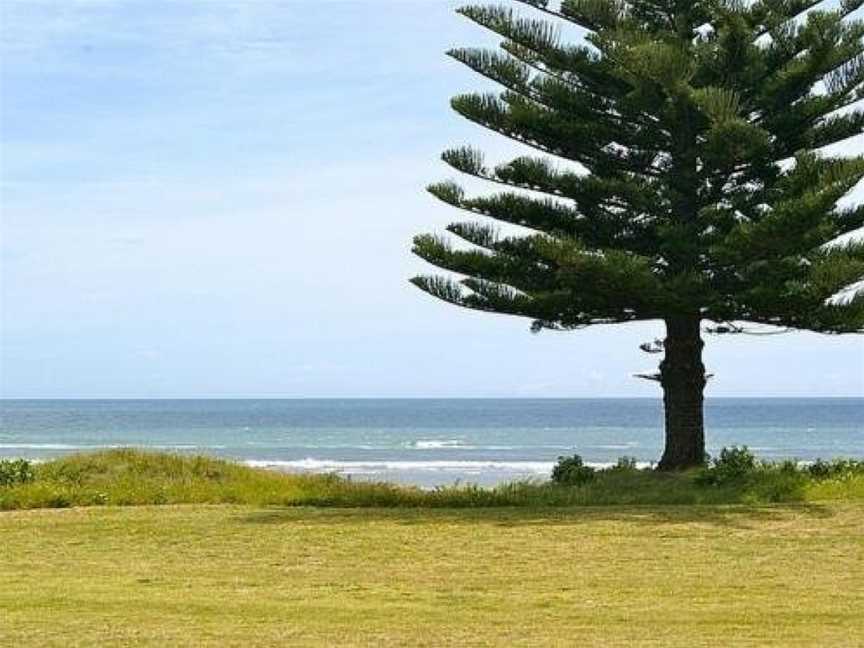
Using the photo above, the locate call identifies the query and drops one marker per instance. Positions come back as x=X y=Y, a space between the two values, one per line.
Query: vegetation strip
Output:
x=135 y=477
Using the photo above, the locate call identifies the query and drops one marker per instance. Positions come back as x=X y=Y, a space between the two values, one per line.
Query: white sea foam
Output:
x=311 y=464
x=435 y=444
x=186 y=446
x=51 y=446
x=618 y=446
x=371 y=467
x=457 y=444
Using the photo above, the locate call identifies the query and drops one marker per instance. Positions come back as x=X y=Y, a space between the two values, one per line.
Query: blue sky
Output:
x=216 y=199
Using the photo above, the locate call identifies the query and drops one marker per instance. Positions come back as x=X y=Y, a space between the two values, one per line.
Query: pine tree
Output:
x=693 y=183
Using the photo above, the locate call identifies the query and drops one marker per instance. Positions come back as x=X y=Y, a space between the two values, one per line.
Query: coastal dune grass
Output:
x=125 y=477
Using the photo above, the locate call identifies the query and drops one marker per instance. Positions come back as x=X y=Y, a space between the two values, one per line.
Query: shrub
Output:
x=774 y=484
x=16 y=471
x=572 y=471
x=789 y=467
x=736 y=461
x=732 y=465
x=821 y=469
x=625 y=465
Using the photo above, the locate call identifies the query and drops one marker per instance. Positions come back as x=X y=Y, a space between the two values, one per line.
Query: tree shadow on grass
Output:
x=735 y=516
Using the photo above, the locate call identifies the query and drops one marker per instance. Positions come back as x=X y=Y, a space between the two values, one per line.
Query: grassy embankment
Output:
x=131 y=477
x=540 y=571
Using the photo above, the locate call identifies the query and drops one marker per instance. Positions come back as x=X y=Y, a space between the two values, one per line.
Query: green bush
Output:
x=625 y=465
x=773 y=484
x=820 y=469
x=16 y=471
x=572 y=471
x=732 y=465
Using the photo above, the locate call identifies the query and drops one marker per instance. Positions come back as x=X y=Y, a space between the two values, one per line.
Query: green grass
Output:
x=782 y=575
x=133 y=477
x=239 y=556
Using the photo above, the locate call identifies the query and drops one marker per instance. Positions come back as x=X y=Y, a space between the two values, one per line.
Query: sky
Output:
x=217 y=199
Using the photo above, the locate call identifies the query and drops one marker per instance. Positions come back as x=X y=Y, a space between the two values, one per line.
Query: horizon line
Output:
x=408 y=398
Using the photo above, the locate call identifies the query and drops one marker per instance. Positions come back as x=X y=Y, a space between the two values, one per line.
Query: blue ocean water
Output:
x=425 y=442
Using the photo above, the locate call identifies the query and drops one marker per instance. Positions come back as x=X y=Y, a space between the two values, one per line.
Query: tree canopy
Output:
x=697 y=169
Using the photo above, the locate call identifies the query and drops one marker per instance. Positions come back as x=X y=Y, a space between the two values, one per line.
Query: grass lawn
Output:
x=788 y=574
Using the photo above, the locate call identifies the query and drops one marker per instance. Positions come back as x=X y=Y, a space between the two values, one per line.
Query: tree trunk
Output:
x=682 y=376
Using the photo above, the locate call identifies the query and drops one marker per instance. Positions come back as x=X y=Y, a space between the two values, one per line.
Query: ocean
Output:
x=424 y=442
